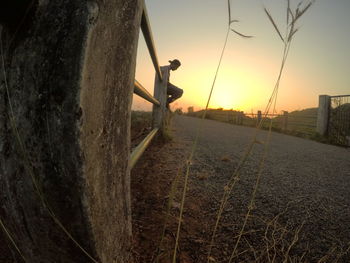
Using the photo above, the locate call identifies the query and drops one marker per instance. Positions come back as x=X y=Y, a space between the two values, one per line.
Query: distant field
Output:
x=303 y=121
x=299 y=123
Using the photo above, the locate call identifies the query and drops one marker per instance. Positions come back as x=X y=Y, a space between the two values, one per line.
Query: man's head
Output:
x=174 y=64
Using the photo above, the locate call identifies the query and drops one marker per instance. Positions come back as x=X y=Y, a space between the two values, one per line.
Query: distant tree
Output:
x=179 y=111
x=190 y=109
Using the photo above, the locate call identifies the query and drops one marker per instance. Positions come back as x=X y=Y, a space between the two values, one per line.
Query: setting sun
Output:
x=250 y=66
x=227 y=97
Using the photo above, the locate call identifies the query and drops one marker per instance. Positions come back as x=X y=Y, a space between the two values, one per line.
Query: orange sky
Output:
x=194 y=33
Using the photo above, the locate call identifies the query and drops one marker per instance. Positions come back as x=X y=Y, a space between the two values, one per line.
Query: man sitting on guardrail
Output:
x=173 y=92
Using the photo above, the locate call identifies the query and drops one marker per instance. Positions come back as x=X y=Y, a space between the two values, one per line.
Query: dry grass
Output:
x=194 y=146
x=160 y=250
x=291 y=19
x=279 y=240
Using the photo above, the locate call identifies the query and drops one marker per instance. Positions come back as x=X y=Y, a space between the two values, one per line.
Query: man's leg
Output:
x=173 y=92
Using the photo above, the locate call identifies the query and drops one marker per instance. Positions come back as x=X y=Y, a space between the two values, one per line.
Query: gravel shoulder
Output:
x=301 y=211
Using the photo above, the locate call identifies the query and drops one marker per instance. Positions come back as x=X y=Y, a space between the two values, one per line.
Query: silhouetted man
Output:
x=173 y=92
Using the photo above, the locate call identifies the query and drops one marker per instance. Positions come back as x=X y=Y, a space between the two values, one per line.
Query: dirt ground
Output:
x=151 y=182
x=161 y=169
x=155 y=219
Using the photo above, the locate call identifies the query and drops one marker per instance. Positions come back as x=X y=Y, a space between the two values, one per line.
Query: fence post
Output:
x=67 y=139
x=233 y=117
x=259 y=117
x=160 y=93
x=241 y=115
x=323 y=114
x=285 y=120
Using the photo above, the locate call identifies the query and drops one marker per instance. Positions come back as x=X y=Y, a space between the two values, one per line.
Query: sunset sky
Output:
x=194 y=31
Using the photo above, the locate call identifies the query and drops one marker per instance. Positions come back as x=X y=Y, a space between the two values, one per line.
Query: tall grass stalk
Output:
x=169 y=205
x=194 y=146
x=27 y=162
x=12 y=241
x=290 y=32
x=236 y=174
x=251 y=203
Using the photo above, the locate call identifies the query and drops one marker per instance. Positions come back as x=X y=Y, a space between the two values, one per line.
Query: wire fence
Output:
x=296 y=122
x=339 y=120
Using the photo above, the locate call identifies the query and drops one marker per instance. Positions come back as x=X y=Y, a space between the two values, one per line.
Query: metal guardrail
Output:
x=142 y=92
x=138 y=151
x=147 y=33
x=338 y=96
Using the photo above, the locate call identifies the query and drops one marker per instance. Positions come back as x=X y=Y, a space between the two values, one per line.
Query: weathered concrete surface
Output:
x=323 y=114
x=160 y=93
x=64 y=125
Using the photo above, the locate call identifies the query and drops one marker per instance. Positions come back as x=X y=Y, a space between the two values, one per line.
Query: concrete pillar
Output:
x=160 y=93
x=259 y=117
x=285 y=120
x=323 y=114
x=241 y=114
x=65 y=99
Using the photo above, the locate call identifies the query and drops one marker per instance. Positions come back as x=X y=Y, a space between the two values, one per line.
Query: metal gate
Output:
x=339 y=120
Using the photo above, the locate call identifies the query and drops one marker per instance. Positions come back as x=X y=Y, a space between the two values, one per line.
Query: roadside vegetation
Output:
x=300 y=123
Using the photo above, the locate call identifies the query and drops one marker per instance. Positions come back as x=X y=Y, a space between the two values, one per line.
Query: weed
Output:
x=194 y=146
x=292 y=18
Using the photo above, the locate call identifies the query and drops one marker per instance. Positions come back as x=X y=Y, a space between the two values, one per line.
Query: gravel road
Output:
x=303 y=195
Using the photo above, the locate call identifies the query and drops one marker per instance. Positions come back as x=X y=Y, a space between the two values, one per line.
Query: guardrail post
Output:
x=259 y=117
x=323 y=114
x=285 y=121
x=233 y=117
x=241 y=115
x=160 y=93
